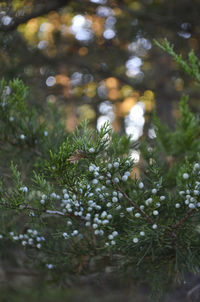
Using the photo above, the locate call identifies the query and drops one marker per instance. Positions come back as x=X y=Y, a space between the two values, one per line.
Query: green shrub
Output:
x=74 y=206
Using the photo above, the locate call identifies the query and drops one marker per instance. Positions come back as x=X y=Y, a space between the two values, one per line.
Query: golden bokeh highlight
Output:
x=83 y=51
x=71 y=121
x=86 y=112
x=179 y=84
x=126 y=91
x=64 y=81
x=148 y=99
x=113 y=94
x=124 y=107
x=112 y=83
x=98 y=25
x=124 y=97
x=90 y=89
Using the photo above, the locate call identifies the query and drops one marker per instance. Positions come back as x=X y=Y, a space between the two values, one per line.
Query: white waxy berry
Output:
x=65 y=235
x=148 y=201
x=135 y=240
x=129 y=210
x=49 y=266
x=24 y=189
x=115 y=233
x=155 y=212
x=196 y=166
x=103 y=214
x=91 y=168
x=53 y=195
x=141 y=185
x=95 y=181
x=120 y=195
x=91 y=150
x=137 y=215
x=162 y=198
x=124 y=178
x=185 y=175
x=22 y=136
x=109 y=166
x=116 y=165
x=114 y=199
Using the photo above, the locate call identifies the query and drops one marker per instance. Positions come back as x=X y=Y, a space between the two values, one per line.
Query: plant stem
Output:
x=148 y=218
x=180 y=221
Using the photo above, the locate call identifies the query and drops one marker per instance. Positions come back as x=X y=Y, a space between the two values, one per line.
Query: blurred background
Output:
x=96 y=58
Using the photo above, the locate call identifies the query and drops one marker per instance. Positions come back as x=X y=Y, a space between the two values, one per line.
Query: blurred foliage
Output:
x=83 y=211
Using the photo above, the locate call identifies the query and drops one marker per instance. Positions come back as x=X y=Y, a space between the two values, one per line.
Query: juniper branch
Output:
x=149 y=219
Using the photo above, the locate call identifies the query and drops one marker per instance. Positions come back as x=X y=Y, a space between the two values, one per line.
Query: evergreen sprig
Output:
x=191 y=66
x=83 y=202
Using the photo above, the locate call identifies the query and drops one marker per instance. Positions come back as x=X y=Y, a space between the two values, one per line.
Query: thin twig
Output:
x=193 y=290
x=179 y=222
x=52 y=212
x=35 y=151
x=148 y=218
x=45 y=211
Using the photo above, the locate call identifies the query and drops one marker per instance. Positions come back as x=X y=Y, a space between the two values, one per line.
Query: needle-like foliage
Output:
x=81 y=203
